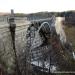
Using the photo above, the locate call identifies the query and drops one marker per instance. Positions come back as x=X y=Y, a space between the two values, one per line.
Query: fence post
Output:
x=12 y=27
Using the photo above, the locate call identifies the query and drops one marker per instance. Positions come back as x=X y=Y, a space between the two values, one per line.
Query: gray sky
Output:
x=32 y=6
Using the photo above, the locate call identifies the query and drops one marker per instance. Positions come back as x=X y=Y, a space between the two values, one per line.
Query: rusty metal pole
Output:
x=12 y=30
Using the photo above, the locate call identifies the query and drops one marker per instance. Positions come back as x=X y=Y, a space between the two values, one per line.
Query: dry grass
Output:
x=70 y=34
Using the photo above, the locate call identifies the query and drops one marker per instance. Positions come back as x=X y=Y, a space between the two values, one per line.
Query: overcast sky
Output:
x=32 y=6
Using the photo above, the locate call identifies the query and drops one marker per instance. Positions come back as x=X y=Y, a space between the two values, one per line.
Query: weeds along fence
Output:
x=7 y=58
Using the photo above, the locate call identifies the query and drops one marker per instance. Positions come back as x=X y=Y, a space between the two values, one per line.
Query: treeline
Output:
x=46 y=14
x=69 y=16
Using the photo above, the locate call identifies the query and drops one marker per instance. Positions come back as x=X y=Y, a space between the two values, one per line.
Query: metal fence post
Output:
x=12 y=27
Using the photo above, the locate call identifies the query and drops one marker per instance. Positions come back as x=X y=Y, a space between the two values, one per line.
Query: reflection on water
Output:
x=60 y=31
x=52 y=67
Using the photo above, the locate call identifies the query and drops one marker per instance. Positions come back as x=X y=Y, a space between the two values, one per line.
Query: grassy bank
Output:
x=70 y=34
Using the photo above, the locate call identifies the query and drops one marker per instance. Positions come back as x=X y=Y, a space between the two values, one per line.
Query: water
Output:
x=59 y=29
x=53 y=68
x=73 y=55
x=38 y=41
x=58 y=26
